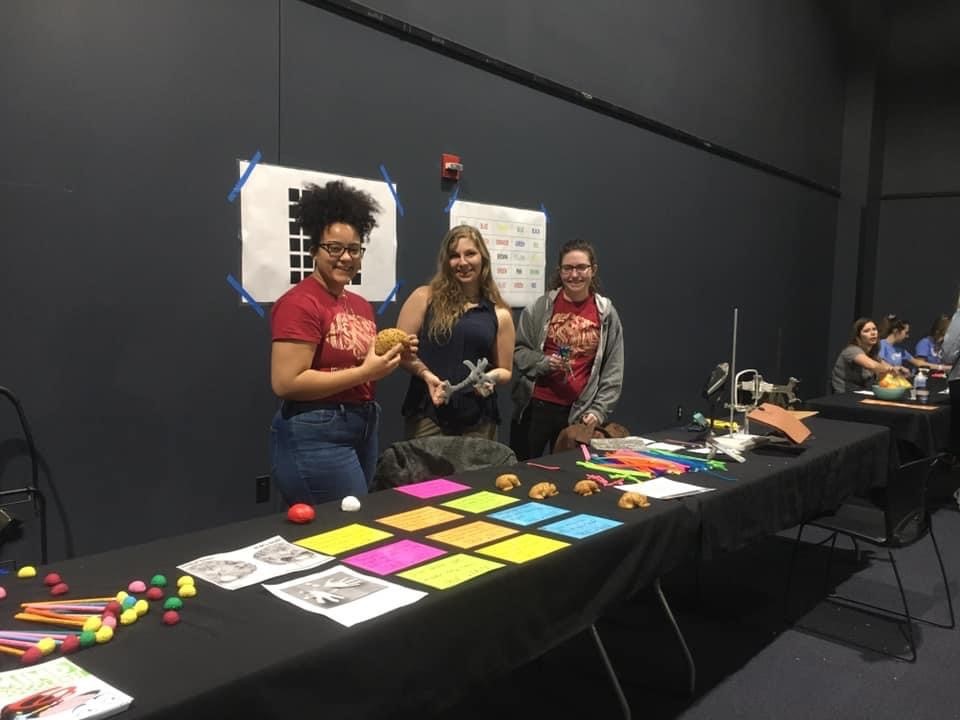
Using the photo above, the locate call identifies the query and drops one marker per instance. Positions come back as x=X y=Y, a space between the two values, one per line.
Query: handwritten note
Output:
x=343 y=539
x=432 y=488
x=480 y=502
x=450 y=571
x=581 y=526
x=472 y=534
x=528 y=513
x=419 y=518
x=522 y=548
x=395 y=556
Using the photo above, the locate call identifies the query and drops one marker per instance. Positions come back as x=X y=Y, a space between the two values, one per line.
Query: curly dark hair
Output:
x=320 y=207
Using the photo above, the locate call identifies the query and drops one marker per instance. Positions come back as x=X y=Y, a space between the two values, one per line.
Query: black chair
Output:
x=900 y=519
x=31 y=493
x=410 y=461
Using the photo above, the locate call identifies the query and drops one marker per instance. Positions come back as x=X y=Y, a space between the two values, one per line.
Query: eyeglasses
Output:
x=570 y=269
x=335 y=250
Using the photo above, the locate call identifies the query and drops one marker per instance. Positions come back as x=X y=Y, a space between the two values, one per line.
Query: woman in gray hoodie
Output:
x=568 y=358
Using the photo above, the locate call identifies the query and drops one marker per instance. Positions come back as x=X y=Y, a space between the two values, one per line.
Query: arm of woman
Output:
x=527 y=354
x=502 y=360
x=293 y=378
x=611 y=375
x=411 y=318
x=877 y=367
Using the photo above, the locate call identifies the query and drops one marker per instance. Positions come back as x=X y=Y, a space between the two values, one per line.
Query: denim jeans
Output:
x=325 y=453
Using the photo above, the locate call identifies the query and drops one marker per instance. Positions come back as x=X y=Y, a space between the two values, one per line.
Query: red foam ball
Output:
x=113 y=608
x=60 y=589
x=155 y=593
x=301 y=513
x=52 y=579
x=70 y=643
x=31 y=656
x=171 y=617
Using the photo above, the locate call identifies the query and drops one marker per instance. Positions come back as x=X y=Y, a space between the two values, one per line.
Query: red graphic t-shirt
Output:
x=342 y=328
x=574 y=334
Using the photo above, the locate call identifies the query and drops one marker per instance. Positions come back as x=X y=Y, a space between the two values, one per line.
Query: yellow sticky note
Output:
x=452 y=570
x=473 y=534
x=480 y=502
x=524 y=547
x=419 y=518
x=343 y=539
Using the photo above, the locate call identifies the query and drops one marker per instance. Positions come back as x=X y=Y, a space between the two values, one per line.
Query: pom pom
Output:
x=159 y=580
x=128 y=602
x=155 y=593
x=31 y=656
x=184 y=580
x=128 y=616
x=88 y=638
x=137 y=586
x=301 y=513
x=60 y=589
x=92 y=623
x=46 y=645
x=141 y=607
x=350 y=504
x=187 y=591
x=3 y=593
x=171 y=617
x=104 y=634
x=52 y=579
x=112 y=608
x=71 y=643
x=27 y=571
x=389 y=337
x=172 y=603
x=110 y=620
x=121 y=596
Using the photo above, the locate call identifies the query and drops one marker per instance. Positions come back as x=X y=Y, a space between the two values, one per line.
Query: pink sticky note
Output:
x=395 y=556
x=432 y=488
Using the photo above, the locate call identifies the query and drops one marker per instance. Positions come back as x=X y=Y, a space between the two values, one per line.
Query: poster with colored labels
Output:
x=517 y=241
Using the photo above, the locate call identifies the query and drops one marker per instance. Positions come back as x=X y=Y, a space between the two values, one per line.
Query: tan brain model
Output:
x=632 y=500
x=543 y=490
x=389 y=337
x=507 y=482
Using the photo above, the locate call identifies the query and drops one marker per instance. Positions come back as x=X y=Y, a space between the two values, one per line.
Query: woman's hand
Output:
x=590 y=419
x=485 y=387
x=556 y=363
x=435 y=387
x=902 y=369
x=411 y=347
x=376 y=366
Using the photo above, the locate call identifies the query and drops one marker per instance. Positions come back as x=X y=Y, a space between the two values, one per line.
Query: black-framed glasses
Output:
x=336 y=250
x=570 y=269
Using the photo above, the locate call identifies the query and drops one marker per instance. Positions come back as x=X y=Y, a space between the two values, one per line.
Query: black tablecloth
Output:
x=925 y=432
x=245 y=653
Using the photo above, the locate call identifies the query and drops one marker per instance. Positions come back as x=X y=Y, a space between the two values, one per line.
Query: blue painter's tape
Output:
x=453 y=199
x=383 y=171
x=243 y=178
x=543 y=209
x=390 y=297
x=246 y=296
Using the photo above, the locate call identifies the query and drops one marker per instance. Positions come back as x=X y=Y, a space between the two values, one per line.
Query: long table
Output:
x=246 y=653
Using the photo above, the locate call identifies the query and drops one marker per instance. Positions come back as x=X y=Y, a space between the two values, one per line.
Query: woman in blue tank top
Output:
x=459 y=316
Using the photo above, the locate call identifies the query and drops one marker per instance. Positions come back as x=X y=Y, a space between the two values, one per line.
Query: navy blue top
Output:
x=474 y=336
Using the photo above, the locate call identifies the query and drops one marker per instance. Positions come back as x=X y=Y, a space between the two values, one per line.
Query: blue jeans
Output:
x=325 y=453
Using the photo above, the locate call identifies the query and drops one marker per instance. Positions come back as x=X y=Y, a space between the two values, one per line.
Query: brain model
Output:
x=543 y=490
x=389 y=337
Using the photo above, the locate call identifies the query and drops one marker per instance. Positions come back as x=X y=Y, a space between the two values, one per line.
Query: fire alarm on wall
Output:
x=450 y=167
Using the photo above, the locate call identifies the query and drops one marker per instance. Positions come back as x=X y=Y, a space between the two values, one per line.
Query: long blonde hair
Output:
x=446 y=292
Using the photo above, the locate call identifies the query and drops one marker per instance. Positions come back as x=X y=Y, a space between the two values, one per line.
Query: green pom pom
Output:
x=159 y=581
x=172 y=603
x=88 y=638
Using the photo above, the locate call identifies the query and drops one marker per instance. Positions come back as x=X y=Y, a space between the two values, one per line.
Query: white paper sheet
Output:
x=271 y=264
x=517 y=241
x=344 y=595
x=253 y=564
x=663 y=488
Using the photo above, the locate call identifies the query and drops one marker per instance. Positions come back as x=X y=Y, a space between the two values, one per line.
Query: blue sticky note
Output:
x=581 y=526
x=528 y=513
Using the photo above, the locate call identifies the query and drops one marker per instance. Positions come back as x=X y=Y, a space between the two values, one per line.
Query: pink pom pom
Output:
x=60 y=589
x=52 y=579
x=137 y=586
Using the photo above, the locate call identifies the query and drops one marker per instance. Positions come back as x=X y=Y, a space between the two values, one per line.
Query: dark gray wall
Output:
x=146 y=381
x=918 y=255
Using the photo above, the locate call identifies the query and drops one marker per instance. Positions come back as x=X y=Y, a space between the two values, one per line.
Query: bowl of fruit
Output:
x=891 y=387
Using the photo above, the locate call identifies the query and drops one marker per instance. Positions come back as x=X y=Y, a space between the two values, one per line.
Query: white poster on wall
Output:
x=517 y=240
x=274 y=247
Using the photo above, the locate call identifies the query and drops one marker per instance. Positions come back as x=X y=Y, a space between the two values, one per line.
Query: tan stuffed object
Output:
x=586 y=487
x=507 y=482
x=543 y=490
x=630 y=500
x=389 y=337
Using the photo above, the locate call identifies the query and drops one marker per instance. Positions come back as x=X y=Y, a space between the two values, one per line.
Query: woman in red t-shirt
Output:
x=324 y=438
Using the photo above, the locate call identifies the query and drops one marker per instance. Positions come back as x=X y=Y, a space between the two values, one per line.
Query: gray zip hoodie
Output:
x=951 y=347
x=606 y=378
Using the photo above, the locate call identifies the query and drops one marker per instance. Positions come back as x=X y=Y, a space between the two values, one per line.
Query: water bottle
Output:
x=920 y=386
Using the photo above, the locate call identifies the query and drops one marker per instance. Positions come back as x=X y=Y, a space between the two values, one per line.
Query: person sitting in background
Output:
x=894 y=332
x=930 y=348
x=858 y=366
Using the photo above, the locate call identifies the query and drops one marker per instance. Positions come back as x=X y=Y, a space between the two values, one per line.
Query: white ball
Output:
x=349 y=504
